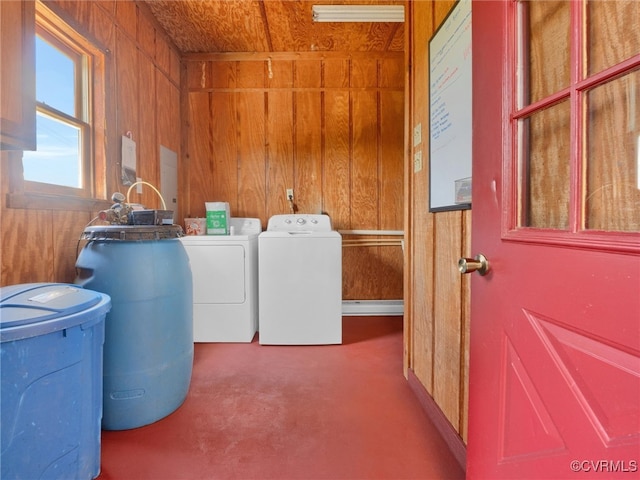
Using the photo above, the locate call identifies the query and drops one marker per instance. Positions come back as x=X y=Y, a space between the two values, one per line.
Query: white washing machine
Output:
x=225 y=282
x=300 y=258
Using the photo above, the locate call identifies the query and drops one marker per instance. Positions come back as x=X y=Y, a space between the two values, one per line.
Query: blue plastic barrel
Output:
x=51 y=340
x=148 y=348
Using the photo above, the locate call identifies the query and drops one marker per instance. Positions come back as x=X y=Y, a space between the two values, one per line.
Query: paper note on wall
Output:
x=128 y=161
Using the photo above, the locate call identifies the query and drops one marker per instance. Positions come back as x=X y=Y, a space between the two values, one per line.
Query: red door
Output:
x=554 y=389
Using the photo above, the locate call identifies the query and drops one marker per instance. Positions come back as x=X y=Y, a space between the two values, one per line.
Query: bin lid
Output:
x=132 y=232
x=37 y=302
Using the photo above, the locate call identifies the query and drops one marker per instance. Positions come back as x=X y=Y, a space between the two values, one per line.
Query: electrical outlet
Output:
x=289 y=193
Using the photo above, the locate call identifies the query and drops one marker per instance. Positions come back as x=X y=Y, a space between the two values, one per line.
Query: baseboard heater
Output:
x=372 y=307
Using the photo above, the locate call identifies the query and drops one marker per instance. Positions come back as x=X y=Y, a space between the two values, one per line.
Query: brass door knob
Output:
x=478 y=264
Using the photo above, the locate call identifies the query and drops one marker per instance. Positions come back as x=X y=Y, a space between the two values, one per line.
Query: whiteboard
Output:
x=450 y=86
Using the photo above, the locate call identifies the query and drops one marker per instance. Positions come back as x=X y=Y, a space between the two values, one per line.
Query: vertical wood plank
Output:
x=308 y=74
x=336 y=72
x=66 y=235
x=308 y=152
x=252 y=74
x=364 y=164
x=167 y=113
x=223 y=75
x=364 y=72
x=337 y=172
x=251 y=155
x=126 y=17
x=279 y=73
x=146 y=142
x=391 y=171
x=146 y=35
x=447 y=314
x=27 y=246
x=127 y=89
x=224 y=152
x=199 y=153
x=466 y=327
x=279 y=152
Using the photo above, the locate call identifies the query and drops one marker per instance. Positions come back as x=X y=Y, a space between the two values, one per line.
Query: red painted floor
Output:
x=291 y=412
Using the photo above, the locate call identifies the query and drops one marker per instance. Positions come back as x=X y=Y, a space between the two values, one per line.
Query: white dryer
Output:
x=300 y=271
x=225 y=282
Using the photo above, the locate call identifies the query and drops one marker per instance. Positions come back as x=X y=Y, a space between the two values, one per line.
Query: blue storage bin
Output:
x=51 y=345
x=148 y=347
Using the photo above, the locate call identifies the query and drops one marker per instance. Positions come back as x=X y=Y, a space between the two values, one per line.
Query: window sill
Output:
x=41 y=201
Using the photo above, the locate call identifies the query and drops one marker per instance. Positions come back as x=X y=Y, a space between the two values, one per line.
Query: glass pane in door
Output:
x=545 y=167
x=612 y=155
x=545 y=49
x=613 y=32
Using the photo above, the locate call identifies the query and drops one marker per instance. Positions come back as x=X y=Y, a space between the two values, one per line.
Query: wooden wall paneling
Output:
x=67 y=226
x=76 y=12
x=127 y=17
x=199 y=153
x=163 y=56
x=308 y=152
x=252 y=74
x=223 y=75
x=447 y=314
x=168 y=133
x=392 y=73
x=146 y=35
x=319 y=130
x=147 y=148
x=251 y=155
x=279 y=73
x=127 y=94
x=364 y=72
x=198 y=75
x=109 y=6
x=364 y=162
x=391 y=160
x=466 y=327
x=103 y=29
x=175 y=66
x=17 y=89
x=336 y=72
x=167 y=113
x=101 y=25
x=365 y=195
x=224 y=152
x=391 y=170
x=440 y=10
x=27 y=246
x=308 y=73
x=40 y=245
x=279 y=175
x=337 y=172
x=419 y=301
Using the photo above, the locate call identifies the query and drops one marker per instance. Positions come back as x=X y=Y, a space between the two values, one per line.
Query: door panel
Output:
x=554 y=388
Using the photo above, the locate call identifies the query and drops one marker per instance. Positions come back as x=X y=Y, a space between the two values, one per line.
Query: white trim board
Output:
x=372 y=307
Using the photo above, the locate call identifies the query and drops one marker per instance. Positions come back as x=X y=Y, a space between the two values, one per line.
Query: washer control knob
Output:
x=287 y=221
x=301 y=221
x=314 y=221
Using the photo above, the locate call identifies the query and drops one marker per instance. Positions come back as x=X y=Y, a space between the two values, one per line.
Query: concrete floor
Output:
x=291 y=412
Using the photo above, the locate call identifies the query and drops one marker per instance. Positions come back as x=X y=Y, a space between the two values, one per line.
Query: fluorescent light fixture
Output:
x=358 y=13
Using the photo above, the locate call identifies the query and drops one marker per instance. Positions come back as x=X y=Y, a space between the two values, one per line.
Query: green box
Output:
x=217 y=222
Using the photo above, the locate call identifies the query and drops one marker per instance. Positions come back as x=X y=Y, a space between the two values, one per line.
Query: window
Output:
x=577 y=121
x=66 y=69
